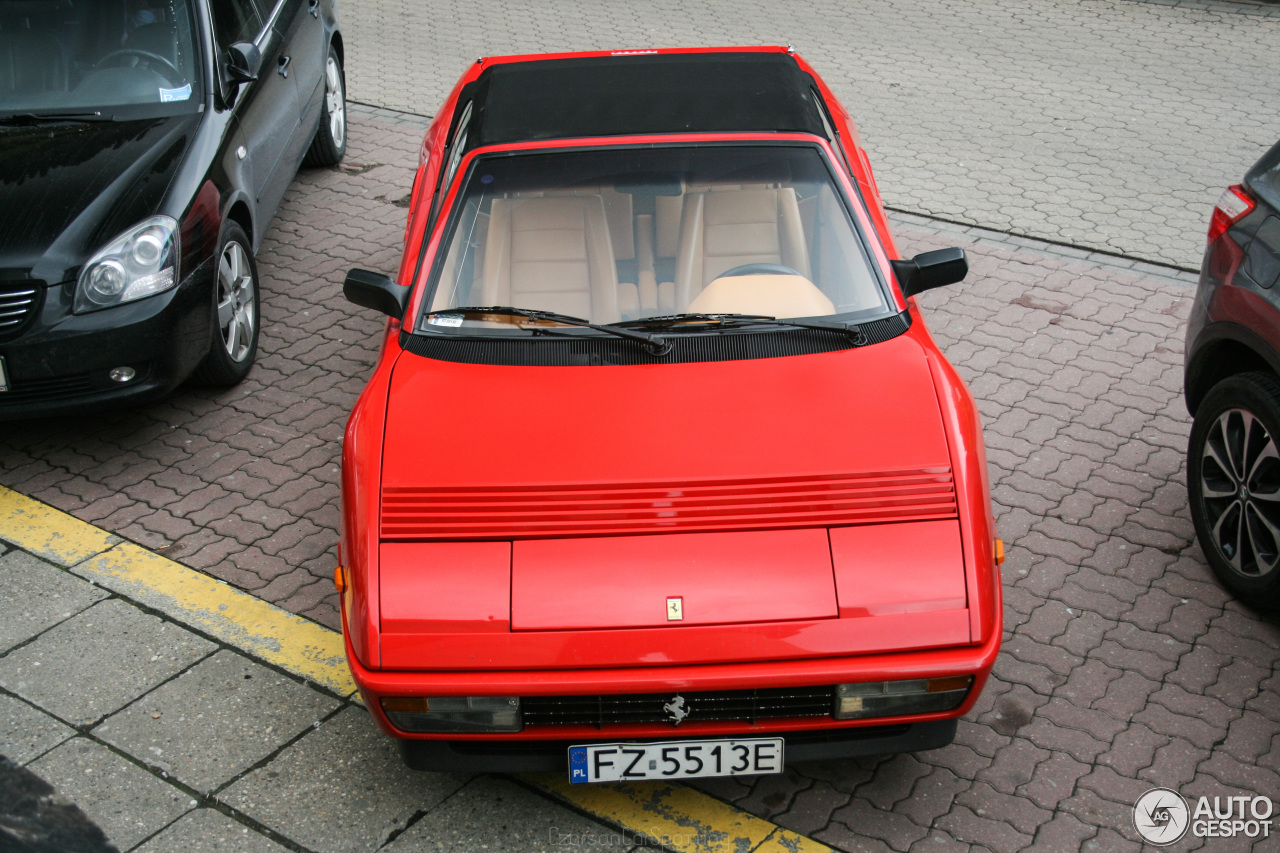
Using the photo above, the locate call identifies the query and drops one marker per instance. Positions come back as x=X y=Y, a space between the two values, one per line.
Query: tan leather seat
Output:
x=726 y=228
x=551 y=253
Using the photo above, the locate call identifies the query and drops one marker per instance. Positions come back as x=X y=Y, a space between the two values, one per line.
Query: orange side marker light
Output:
x=339 y=580
x=999 y=551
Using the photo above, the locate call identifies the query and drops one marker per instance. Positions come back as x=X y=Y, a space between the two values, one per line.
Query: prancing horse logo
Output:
x=675 y=710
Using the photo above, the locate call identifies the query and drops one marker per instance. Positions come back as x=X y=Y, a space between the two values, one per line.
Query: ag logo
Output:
x=1161 y=816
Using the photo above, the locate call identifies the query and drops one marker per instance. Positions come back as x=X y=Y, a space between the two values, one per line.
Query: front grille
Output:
x=47 y=389
x=724 y=705
x=18 y=301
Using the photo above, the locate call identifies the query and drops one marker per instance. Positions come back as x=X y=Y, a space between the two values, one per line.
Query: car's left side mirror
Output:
x=928 y=270
x=376 y=291
x=244 y=61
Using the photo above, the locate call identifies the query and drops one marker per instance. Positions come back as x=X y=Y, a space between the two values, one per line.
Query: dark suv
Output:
x=1233 y=389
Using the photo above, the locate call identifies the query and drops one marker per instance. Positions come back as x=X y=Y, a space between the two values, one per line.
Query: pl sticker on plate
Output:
x=452 y=320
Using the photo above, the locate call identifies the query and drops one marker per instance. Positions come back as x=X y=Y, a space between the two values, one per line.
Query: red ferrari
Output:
x=660 y=473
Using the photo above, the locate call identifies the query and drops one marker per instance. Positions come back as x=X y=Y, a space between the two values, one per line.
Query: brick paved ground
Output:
x=1124 y=667
x=1113 y=124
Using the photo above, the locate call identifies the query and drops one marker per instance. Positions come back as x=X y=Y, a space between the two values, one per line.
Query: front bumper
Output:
x=544 y=756
x=544 y=747
x=60 y=363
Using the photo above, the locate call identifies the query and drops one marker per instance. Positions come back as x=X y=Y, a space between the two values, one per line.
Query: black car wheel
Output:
x=235 y=323
x=1233 y=480
x=330 y=142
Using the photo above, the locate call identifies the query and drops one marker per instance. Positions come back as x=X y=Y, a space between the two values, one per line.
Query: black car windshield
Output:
x=121 y=58
x=626 y=233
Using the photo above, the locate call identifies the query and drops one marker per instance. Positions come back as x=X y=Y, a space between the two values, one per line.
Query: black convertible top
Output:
x=641 y=94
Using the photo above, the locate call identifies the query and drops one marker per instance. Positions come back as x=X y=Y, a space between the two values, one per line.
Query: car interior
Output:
x=68 y=54
x=618 y=251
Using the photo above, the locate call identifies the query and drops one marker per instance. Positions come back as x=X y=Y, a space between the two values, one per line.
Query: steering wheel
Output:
x=760 y=269
x=167 y=69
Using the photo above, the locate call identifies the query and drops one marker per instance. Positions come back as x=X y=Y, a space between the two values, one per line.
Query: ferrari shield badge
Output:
x=675 y=609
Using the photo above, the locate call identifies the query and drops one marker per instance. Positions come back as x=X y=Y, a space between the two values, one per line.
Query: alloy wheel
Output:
x=1240 y=487
x=335 y=104
x=237 y=312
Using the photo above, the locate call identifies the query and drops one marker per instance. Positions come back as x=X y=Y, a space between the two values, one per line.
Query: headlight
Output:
x=454 y=713
x=898 y=698
x=142 y=261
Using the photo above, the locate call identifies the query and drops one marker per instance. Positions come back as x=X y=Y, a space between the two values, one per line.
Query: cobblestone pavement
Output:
x=1124 y=667
x=1112 y=124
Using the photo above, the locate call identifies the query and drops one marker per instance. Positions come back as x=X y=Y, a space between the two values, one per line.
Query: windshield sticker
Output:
x=171 y=95
x=452 y=320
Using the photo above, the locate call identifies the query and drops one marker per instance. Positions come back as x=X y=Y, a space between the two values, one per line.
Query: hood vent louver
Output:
x=522 y=511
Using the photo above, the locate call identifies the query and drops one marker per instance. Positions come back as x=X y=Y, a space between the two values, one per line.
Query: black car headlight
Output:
x=898 y=698
x=141 y=262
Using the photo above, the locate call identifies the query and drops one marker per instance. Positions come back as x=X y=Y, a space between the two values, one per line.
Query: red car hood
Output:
x=465 y=441
x=745 y=465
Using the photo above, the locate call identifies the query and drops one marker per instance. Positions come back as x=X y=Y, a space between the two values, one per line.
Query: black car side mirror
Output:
x=376 y=291
x=928 y=270
x=244 y=61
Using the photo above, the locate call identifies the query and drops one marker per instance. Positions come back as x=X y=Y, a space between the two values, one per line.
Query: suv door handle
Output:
x=282 y=66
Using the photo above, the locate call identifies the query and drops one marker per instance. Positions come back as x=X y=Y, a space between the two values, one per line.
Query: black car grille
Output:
x=18 y=302
x=748 y=705
x=47 y=389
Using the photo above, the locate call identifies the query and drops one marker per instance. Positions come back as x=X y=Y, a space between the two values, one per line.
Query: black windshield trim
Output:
x=595 y=349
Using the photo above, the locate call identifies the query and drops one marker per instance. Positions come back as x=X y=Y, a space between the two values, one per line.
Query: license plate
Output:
x=685 y=759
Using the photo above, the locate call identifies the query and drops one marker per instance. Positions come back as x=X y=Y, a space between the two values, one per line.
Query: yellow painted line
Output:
x=680 y=818
x=237 y=618
x=47 y=532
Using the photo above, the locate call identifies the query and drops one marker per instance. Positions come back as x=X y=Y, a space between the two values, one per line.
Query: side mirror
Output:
x=929 y=270
x=376 y=291
x=244 y=61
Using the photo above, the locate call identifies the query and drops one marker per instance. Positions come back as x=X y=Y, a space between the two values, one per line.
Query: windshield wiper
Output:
x=720 y=321
x=36 y=118
x=654 y=344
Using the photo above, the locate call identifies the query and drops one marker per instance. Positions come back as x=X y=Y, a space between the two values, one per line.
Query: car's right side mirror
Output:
x=376 y=291
x=928 y=270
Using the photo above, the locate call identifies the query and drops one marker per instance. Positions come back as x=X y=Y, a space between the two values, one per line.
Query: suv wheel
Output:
x=1233 y=483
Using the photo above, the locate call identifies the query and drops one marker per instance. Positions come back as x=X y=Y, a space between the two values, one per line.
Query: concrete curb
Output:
x=678 y=818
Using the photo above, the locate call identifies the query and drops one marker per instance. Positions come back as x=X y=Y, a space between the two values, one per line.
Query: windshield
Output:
x=126 y=58
x=627 y=233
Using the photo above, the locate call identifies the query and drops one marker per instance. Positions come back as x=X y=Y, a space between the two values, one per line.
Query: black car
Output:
x=145 y=146
x=1233 y=389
